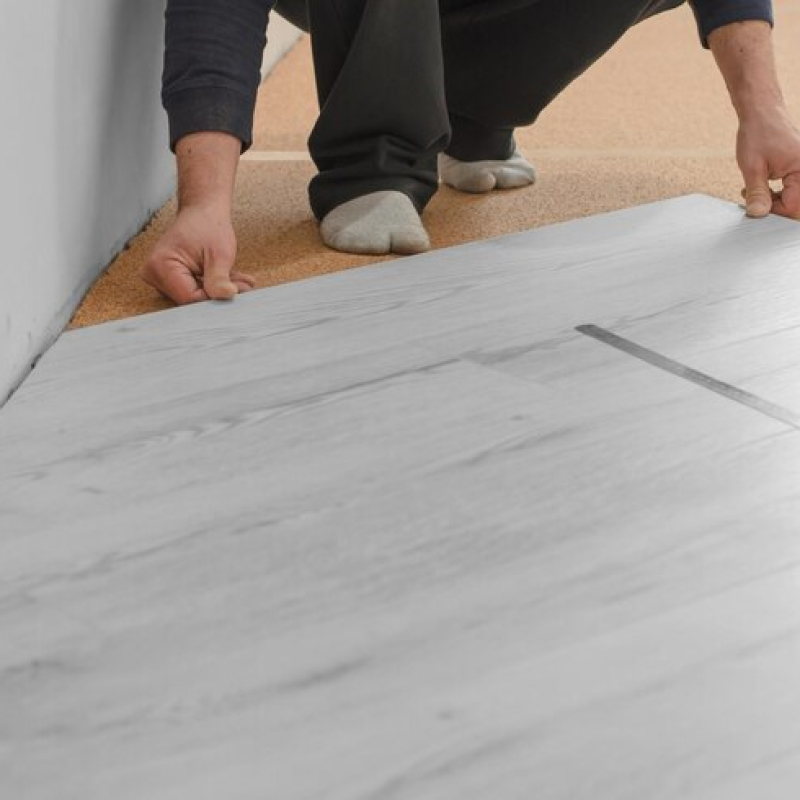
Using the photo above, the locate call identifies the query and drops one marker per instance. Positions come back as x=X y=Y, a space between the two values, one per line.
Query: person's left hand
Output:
x=768 y=148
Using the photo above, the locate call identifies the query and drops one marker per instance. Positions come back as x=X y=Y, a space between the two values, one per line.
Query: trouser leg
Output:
x=506 y=60
x=383 y=115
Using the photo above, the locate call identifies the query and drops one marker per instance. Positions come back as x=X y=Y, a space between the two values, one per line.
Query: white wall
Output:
x=83 y=155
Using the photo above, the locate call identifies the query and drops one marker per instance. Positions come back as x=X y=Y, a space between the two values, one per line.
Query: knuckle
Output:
x=223 y=253
x=759 y=192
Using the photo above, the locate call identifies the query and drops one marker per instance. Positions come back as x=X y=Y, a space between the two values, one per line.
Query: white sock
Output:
x=478 y=177
x=377 y=223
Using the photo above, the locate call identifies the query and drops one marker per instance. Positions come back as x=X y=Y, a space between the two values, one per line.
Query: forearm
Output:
x=207 y=164
x=744 y=53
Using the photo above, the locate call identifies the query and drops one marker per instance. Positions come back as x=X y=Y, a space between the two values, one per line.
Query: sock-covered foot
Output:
x=478 y=177
x=377 y=223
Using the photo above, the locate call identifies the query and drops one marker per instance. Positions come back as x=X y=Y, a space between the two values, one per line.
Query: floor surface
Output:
x=516 y=519
x=650 y=121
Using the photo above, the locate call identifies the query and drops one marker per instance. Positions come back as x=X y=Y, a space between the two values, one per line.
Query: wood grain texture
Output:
x=403 y=532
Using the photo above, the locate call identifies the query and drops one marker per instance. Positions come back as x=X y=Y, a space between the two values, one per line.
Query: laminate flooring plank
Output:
x=773 y=779
x=406 y=719
x=404 y=532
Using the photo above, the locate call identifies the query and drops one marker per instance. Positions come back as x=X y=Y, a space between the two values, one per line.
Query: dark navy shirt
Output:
x=214 y=49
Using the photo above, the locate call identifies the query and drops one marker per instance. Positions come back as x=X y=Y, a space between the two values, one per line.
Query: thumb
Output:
x=217 y=276
x=757 y=194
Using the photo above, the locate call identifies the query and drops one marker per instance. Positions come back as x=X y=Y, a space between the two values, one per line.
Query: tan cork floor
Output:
x=650 y=121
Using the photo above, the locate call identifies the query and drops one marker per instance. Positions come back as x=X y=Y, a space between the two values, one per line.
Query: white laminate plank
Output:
x=436 y=708
x=773 y=779
x=433 y=562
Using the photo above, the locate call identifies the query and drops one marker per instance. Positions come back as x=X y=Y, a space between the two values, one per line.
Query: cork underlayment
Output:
x=650 y=121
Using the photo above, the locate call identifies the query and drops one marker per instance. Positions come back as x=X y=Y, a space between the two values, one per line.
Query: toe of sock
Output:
x=515 y=177
x=346 y=241
x=376 y=224
x=478 y=177
x=475 y=181
x=410 y=240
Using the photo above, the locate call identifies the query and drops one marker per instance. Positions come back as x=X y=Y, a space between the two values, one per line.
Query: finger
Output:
x=176 y=283
x=787 y=204
x=217 y=277
x=243 y=281
x=757 y=194
x=181 y=286
x=243 y=277
x=758 y=199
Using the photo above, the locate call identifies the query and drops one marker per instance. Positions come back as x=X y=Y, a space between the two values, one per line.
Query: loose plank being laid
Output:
x=404 y=532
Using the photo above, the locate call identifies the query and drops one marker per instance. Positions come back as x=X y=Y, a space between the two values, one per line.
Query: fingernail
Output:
x=224 y=293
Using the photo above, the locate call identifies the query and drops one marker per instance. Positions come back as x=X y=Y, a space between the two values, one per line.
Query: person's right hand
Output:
x=769 y=149
x=193 y=261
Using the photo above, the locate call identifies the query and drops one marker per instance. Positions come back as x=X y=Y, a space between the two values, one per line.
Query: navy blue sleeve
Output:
x=713 y=14
x=212 y=65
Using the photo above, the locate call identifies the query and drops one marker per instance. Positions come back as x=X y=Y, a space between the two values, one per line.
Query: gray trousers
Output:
x=400 y=81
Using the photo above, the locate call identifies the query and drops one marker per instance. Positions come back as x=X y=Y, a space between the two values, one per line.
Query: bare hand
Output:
x=193 y=261
x=768 y=148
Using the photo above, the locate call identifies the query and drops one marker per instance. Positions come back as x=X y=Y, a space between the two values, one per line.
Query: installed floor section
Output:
x=406 y=533
x=650 y=121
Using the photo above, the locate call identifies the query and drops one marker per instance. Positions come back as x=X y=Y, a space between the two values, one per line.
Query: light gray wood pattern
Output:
x=403 y=532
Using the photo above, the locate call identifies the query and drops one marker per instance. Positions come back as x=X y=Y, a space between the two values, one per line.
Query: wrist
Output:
x=207 y=165
x=212 y=205
x=764 y=115
x=754 y=103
